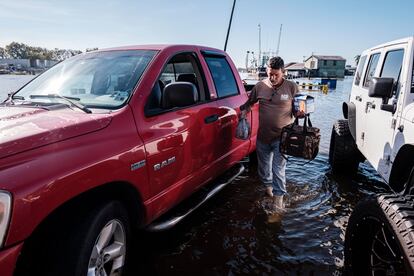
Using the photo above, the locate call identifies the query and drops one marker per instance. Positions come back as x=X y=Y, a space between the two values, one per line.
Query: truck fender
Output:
x=349 y=111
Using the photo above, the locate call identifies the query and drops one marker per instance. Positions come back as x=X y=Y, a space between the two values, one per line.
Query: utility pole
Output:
x=260 y=44
x=278 y=41
x=228 y=30
x=247 y=61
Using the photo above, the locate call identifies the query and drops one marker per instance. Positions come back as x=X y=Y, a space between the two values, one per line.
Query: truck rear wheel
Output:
x=379 y=239
x=344 y=156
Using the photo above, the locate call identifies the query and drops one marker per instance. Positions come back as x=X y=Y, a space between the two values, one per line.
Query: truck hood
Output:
x=23 y=128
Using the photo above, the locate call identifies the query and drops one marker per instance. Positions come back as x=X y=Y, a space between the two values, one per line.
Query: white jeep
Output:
x=379 y=127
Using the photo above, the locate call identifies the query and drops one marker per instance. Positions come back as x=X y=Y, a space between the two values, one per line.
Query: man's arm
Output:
x=246 y=107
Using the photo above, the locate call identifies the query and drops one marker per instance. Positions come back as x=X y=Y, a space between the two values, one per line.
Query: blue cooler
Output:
x=304 y=103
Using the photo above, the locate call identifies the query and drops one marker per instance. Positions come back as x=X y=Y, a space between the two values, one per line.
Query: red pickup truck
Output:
x=112 y=140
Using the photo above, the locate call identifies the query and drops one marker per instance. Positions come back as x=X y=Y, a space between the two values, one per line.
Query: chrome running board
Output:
x=171 y=219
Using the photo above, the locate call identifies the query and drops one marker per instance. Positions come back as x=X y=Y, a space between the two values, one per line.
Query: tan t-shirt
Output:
x=275 y=108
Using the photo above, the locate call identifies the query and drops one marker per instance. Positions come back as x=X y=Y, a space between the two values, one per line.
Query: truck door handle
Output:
x=358 y=98
x=211 y=119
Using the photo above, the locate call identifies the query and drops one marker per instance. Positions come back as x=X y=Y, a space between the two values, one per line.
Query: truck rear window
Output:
x=223 y=77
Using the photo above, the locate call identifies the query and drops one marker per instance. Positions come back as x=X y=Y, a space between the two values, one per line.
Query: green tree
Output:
x=3 y=53
x=91 y=49
x=356 y=58
x=17 y=50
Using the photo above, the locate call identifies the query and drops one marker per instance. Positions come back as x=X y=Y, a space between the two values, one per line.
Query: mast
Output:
x=260 y=44
x=228 y=30
x=278 y=41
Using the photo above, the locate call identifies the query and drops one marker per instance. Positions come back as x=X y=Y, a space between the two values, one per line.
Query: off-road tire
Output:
x=344 y=156
x=393 y=215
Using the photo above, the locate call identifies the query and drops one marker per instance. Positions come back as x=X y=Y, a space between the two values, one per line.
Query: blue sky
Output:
x=320 y=26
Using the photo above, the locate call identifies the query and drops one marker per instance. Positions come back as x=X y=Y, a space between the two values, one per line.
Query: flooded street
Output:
x=233 y=235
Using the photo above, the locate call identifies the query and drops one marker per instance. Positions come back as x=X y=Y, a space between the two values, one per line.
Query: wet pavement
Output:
x=234 y=235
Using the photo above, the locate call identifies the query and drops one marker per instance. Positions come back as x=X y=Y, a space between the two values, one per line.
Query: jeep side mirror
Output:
x=381 y=87
x=179 y=94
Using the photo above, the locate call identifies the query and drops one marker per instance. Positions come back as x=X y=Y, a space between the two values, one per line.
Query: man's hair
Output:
x=276 y=63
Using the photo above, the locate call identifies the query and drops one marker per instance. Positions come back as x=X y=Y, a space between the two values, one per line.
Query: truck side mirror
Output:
x=179 y=94
x=381 y=87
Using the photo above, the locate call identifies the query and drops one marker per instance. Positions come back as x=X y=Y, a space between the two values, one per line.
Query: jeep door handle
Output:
x=358 y=98
x=211 y=119
x=369 y=105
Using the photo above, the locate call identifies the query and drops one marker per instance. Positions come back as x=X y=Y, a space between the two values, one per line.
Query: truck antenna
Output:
x=228 y=30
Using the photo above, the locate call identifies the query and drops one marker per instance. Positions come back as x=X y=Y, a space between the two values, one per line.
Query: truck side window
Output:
x=182 y=67
x=373 y=62
x=361 y=66
x=223 y=77
x=392 y=66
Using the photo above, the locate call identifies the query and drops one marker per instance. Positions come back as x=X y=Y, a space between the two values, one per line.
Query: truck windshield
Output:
x=96 y=80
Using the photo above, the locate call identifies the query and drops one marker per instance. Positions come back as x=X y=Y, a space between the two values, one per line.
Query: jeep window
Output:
x=373 y=62
x=223 y=77
x=392 y=65
x=97 y=80
x=361 y=66
x=184 y=67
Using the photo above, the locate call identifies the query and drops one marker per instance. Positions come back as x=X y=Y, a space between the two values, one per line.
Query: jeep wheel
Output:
x=379 y=239
x=344 y=156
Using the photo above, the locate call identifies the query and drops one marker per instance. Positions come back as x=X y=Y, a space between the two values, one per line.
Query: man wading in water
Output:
x=275 y=97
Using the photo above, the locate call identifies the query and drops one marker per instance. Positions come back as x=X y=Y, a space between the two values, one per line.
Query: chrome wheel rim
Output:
x=108 y=252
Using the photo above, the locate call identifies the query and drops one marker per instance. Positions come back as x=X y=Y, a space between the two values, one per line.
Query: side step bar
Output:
x=173 y=217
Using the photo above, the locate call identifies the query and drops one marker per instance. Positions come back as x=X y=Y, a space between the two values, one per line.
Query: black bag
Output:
x=300 y=141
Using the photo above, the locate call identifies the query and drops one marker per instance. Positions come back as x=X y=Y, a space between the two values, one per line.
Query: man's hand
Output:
x=300 y=114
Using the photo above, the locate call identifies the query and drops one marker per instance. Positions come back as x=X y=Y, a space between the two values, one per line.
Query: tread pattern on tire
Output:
x=344 y=156
x=400 y=213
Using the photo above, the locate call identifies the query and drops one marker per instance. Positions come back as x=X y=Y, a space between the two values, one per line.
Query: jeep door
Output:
x=381 y=123
x=179 y=141
x=358 y=98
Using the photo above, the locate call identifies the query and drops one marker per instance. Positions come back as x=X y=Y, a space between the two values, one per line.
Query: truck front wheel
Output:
x=93 y=240
x=344 y=156
x=379 y=239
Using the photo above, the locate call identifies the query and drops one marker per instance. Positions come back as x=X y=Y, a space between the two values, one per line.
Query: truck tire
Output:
x=88 y=243
x=379 y=239
x=344 y=156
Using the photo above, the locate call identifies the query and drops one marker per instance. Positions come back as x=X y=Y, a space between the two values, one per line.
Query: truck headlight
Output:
x=5 y=207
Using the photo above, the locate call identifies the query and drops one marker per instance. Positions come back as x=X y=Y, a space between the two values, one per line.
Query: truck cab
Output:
x=110 y=141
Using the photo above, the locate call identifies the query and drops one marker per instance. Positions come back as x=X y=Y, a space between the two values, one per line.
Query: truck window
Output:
x=182 y=67
x=393 y=64
x=223 y=77
x=373 y=62
x=361 y=66
x=412 y=81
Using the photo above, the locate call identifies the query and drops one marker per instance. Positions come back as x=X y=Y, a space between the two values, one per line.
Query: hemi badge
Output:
x=137 y=165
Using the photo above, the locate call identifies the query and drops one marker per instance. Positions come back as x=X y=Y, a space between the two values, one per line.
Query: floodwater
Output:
x=233 y=235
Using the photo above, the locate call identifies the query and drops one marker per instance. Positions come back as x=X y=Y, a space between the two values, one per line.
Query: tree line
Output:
x=17 y=50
